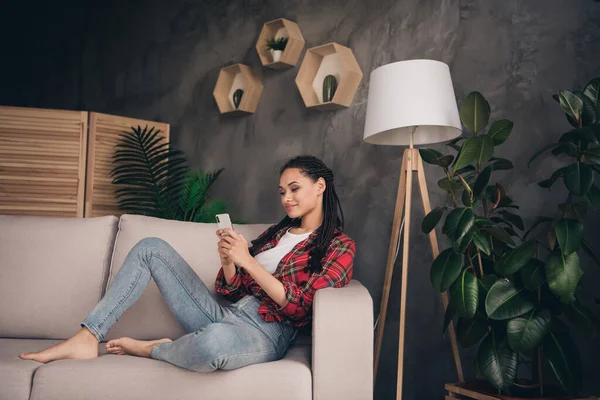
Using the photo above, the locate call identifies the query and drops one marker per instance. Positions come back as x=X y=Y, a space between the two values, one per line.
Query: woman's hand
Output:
x=234 y=247
x=225 y=260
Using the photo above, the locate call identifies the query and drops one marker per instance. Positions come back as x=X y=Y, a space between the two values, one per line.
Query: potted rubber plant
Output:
x=276 y=46
x=500 y=292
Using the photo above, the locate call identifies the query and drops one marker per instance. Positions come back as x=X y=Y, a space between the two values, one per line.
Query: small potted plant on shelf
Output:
x=509 y=293
x=276 y=47
x=329 y=87
x=237 y=98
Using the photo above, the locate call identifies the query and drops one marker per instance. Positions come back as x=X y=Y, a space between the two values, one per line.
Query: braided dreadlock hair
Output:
x=314 y=169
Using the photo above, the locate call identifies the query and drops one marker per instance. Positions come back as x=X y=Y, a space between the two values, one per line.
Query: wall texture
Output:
x=160 y=60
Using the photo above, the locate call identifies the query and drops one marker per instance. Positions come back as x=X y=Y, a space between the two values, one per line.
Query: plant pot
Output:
x=276 y=54
x=475 y=389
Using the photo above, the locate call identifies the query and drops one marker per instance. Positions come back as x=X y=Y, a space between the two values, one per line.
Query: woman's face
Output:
x=299 y=194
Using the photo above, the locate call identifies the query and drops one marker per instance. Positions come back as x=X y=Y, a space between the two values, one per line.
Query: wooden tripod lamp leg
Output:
x=389 y=269
x=405 y=253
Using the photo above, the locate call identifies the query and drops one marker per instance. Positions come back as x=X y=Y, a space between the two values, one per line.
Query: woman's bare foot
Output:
x=81 y=346
x=126 y=345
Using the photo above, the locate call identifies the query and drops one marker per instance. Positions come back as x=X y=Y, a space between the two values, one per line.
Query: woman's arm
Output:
x=337 y=272
x=271 y=285
x=232 y=290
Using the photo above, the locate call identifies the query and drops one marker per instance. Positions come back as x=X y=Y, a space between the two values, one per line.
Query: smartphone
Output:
x=223 y=221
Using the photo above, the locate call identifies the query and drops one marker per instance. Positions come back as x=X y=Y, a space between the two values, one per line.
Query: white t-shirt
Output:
x=270 y=259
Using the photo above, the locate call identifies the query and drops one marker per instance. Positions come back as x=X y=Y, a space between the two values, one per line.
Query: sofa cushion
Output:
x=52 y=273
x=150 y=318
x=134 y=378
x=16 y=375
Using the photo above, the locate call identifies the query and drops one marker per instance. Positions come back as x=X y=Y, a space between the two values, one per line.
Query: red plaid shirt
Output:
x=299 y=283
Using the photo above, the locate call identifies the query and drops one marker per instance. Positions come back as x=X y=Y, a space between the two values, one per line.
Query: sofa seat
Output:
x=128 y=377
x=16 y=375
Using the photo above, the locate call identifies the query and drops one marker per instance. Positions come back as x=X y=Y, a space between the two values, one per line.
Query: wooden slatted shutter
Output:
x=42 y=161
x=104 y=132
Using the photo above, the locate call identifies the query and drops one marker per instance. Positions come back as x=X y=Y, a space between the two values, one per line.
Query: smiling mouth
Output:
x=289 y=207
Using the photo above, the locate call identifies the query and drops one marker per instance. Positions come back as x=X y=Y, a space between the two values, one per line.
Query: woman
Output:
x=272 y=285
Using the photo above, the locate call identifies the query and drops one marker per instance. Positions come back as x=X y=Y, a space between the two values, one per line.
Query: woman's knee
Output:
x=150 y=245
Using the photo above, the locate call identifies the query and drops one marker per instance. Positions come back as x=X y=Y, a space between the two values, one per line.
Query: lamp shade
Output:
x=408 y=94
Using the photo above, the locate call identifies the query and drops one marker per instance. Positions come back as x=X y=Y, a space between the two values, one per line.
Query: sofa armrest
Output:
x=342 y=343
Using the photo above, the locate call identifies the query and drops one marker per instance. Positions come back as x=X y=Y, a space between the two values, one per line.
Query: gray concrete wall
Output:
x=160 y=60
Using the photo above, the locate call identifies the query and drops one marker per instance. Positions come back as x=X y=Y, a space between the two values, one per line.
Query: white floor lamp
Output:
x=410 y=103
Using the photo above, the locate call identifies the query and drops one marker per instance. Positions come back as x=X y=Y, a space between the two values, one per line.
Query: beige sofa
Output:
x=54 y=270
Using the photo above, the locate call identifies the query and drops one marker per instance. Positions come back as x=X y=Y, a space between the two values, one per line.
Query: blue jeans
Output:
x=217 y=337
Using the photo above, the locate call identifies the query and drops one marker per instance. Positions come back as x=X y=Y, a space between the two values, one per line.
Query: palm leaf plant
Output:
x=154 y=179
x=502 y=295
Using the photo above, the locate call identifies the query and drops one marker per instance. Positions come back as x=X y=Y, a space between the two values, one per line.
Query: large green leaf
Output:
x=482 y=243
x=497 y=361
x=513 y=219
x=464 y=295
x=499 y=234
x=501 y=164
x=584 y=134
x=429 y=155
x=563 y=356
x=574 y=210
x=475 y=112
x=592 y=156
x=589 y=113
x=527 y=332
x=445 y=269
x=448 y=185
x=592 y=92
x=458 y=223
x=432 y=219
x=571 y=104
x=568 y=148
x=482 y=180
x=505 y=301
x=583 y=319
x=593 y=196
x=464 y=241
x=500 y=131
x=487 y=149
x=444 y=161
x=578 y=178
x=532 y=274
x=449 y=315
x=537 y=222
x=547 y=183
x=470 y=332
x=468 y=153
x=563 y=274
x=569 y=233
x=515 y=259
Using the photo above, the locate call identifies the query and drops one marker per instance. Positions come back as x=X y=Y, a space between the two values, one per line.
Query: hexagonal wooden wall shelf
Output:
x=231 y=78
x=276 y=29
x=328 y=59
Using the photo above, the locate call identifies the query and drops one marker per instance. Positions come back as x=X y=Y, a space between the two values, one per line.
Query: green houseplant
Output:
x=154 y=179
x=502 y=295
x=277 y=46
